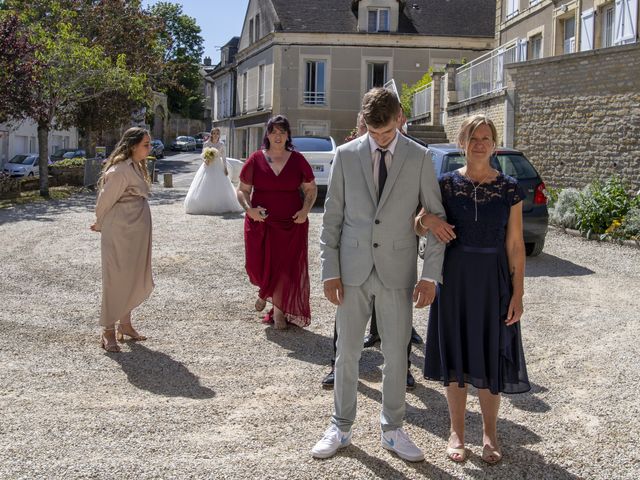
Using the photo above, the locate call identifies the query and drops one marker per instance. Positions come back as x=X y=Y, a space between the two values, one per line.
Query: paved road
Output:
x=182 y=165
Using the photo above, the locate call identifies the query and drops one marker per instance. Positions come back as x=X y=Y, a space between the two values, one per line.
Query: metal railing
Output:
x=421 y=102
x=443 y=98
x=485 y=74
x=314 y=98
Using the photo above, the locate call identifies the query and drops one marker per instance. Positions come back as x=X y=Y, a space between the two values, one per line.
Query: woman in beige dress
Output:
x=124 y=219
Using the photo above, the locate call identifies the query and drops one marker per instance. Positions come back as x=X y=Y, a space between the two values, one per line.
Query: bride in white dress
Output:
x=211 y=191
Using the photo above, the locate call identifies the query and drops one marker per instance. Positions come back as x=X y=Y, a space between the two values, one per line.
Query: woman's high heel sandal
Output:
x=109 y=345
x=260 y=304
x=127 y=330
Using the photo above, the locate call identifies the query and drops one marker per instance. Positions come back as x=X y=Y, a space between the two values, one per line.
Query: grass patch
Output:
x=55 y=193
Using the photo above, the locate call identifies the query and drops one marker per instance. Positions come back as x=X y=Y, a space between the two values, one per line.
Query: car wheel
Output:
x=30 y=174
x=534 y=249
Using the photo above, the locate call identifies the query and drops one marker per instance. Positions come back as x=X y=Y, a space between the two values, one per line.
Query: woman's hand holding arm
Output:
x=426 y=222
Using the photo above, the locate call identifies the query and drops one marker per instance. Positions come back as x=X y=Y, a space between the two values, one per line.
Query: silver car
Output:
x=319 y=152
x=23 y=165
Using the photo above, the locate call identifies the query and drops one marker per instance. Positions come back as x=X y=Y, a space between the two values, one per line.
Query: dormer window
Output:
x=378 y=20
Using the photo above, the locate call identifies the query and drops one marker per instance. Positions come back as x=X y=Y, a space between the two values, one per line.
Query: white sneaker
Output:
x=334 y=439
x=399 y=442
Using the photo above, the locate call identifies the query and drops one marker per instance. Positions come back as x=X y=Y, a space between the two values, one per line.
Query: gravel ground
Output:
x=215 y=394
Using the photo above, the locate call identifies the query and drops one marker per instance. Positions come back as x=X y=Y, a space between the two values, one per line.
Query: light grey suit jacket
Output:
x=359 y=233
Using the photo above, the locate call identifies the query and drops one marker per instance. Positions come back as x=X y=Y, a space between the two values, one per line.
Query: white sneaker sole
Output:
x=330 y=454
x=402 y=455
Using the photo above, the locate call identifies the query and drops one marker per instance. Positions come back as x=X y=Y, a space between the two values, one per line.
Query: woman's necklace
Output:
x=475 y=189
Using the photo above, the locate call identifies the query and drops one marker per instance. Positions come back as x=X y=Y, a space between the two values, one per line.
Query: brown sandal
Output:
x=131 y=333
x=109 y=347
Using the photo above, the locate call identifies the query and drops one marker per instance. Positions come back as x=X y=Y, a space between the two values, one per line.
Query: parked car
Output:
x=157 y=148
x=59 y=154
x=319 y=152
x=201 y=137
x=23 y=165
x=75 y=154
x=184 y=143
x=448 y=157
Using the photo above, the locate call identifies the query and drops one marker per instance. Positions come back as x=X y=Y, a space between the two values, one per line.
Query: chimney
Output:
x=207 y=61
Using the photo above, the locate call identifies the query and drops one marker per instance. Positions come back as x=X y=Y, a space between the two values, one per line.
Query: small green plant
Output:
x=70 y=162
x=563 y=212
x=600 y=204
x=631 y=222
x=406 y=97
x=552 y=195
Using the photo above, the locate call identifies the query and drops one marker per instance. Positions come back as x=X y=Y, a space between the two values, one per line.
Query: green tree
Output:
x=406 y=97
x=183 y=49
x=70 y=72
x=109 y=24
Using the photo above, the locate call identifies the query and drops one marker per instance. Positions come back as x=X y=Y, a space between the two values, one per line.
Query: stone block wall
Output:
x=493 y=106
x=577 y=117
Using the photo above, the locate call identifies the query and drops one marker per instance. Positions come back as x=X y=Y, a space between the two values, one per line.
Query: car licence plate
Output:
x=318 y=168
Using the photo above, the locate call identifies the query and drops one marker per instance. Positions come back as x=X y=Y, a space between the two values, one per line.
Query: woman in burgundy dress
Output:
x=276 y=226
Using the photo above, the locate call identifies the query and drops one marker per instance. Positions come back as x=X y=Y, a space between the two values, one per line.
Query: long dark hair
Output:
x=282 y=122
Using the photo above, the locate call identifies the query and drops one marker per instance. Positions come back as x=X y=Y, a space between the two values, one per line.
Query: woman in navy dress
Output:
x=473 y=335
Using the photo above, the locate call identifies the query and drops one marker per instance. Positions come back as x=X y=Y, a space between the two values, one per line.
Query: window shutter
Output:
x=626 y=21
x=268 y=85
x=586 y=30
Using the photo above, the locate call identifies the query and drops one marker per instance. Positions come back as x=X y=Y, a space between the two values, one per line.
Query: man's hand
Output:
x=333 y=291
x=424 y=294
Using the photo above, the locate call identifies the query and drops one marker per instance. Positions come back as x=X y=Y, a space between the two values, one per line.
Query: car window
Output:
x=312 y=144
x=453 y=162
x=516 y=166
x=182 y=139
x=18 y=159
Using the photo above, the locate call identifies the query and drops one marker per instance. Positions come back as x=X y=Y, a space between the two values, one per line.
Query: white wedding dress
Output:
x=211 y=191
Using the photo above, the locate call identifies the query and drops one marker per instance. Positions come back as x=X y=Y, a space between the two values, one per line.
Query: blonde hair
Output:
x=214 y=129
x=469 y=126
x=123 y=151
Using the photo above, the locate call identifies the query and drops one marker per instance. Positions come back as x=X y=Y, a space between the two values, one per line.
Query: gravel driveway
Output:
x=215 y=394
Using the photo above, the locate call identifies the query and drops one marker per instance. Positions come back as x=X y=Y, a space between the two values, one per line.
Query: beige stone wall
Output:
x=493 y=106
x=577 y=117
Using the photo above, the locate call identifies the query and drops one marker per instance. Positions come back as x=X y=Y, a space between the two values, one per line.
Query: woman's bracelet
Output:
x=421 y=224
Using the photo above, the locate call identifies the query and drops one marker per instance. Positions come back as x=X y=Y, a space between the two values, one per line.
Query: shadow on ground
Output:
x=546 y=265
x=158 y=373
x=45 y=211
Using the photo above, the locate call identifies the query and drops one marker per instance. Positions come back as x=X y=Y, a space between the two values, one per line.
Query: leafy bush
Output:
x=564 y=211
x=70 y=162
x=406 y=97
x=552 y=195
x=600 y=204
x=630 y=225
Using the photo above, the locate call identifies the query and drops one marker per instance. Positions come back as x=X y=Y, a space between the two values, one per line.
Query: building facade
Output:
x=313 y=61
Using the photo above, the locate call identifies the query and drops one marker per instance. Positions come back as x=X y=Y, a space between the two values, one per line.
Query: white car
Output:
x=319 y=152
x=23 y=165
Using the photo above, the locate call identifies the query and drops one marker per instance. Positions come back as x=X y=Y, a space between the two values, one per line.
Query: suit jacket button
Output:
x=375 y=245
x=377 y=222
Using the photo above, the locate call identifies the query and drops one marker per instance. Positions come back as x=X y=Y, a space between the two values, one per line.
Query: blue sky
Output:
x=219 y=20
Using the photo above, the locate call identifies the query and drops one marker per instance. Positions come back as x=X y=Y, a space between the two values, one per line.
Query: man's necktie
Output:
x=382 y=172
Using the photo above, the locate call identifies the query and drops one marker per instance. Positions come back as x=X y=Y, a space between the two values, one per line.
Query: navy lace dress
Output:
x=467 y=339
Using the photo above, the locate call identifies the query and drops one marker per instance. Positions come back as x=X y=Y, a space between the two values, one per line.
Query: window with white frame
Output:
x=376 y=74
x=512 y=8
x=535 y=46
x=625 y=22
x=315 y=82
x=607 y=19
x=569 y=29
x=245 y=92
x=378 y=20
x=260 y=87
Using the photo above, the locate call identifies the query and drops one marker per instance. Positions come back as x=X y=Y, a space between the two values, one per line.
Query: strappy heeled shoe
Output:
x=491 y=455
x=260 y=304
x=130 y=332
x=279 y=323
x=456 y=454
x=106 y=344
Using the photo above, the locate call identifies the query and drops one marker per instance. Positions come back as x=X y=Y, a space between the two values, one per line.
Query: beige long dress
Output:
x=124 y=218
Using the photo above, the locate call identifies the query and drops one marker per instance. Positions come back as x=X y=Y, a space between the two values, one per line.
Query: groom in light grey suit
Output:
x=369 y=255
